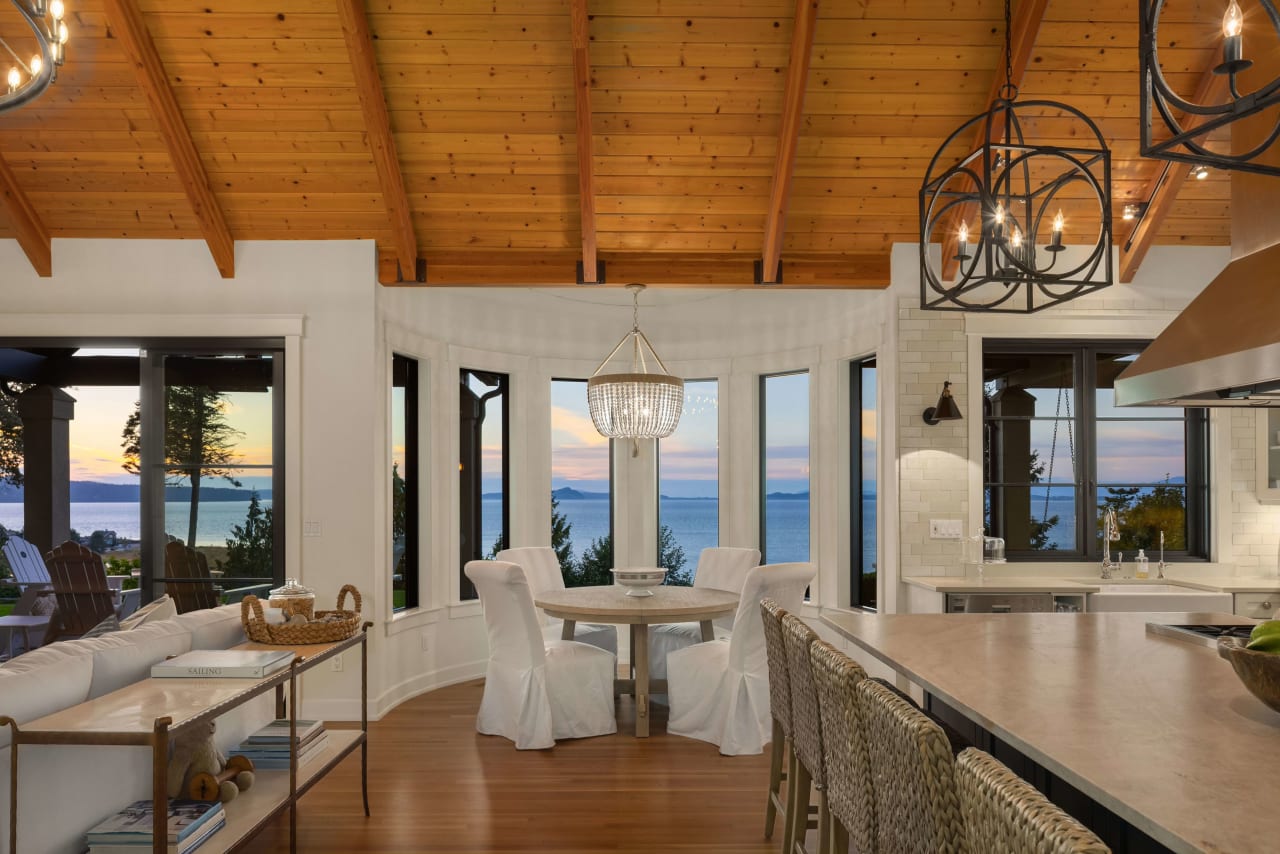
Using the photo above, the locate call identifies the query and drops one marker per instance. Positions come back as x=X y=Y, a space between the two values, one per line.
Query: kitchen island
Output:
x=1153 y=738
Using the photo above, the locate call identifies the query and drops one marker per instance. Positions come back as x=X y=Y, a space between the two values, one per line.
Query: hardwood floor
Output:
x=436 y=785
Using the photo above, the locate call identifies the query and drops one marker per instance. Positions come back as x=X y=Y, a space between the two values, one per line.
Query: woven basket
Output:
x=258 y=629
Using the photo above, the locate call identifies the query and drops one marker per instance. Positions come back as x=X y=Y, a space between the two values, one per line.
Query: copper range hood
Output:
x=1224 y=348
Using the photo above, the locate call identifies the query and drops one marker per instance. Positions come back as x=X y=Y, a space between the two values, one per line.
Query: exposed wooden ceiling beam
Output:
x=582 y=109
x=553 y=268
x=129 y=27
x=806 y=18
x=32 y=236
x=377 y=122
x=1024 y=28
x=1162 y=193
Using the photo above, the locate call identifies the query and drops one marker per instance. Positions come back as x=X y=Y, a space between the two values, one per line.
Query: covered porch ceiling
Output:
x=541 y=142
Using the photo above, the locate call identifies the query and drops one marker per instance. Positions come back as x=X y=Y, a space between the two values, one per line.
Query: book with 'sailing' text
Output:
x=226 y=663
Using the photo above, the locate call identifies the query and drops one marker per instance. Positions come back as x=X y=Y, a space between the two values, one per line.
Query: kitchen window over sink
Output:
x=1057 y=451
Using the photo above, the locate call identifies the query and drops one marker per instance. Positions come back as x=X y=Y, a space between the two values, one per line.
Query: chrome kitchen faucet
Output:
x=1110 y=534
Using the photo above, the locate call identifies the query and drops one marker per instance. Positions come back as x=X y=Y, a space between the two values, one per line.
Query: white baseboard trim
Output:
x=349 y=709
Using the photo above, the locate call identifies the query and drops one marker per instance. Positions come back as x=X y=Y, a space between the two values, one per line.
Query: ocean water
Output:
x=213 y=526
x=693 y=521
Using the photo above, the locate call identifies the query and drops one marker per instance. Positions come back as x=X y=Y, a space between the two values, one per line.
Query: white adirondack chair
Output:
x=26 y=562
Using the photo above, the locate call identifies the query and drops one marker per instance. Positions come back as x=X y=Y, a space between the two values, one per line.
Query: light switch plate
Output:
x=944 y=529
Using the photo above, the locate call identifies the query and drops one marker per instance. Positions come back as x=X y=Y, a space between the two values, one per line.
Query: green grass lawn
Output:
x=5 y=609
x=397 y=598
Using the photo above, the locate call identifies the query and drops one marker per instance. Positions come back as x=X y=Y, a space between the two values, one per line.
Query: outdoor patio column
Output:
x=46 y=464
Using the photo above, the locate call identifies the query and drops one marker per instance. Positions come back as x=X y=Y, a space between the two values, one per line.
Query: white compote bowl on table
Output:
x=639 y=581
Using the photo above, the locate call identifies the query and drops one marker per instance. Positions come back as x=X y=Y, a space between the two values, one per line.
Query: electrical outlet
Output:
x=310 y=529
x=337 y=663
x=944 y=529
x=426 y=642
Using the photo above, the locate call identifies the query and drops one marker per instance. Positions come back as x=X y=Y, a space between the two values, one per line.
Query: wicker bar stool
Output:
x=844 y=749
x=780 y=711
x=1003 y=814
x=912 y=776
x=806 y=737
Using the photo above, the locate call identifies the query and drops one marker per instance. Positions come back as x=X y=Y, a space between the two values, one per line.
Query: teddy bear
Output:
x=198 y=770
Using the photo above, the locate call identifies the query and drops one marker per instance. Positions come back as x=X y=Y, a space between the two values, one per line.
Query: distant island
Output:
x=92 y=492
x=568 y=493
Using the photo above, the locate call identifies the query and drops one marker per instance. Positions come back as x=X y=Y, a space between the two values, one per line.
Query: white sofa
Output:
x=64 y=790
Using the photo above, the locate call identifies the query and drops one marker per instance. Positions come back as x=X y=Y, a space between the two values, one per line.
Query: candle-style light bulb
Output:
x=57 y=10
x=999 y=213
x=964 y=232
x=63 y=33
x=962 y=240
x=1016 y=240
x=1232 y=41
x=997 y=229
x=15 y=78
x=1058 y=223
x=1232 y=21
x=37 y=64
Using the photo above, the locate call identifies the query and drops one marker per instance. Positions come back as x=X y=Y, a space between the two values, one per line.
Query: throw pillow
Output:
x=107 y=626
x=159 y=609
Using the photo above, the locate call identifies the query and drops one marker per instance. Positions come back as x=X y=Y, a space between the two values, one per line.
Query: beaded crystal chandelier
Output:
x=640 y=403
x=27 y=79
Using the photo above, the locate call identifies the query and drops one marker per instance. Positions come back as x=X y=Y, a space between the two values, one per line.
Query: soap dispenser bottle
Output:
x=1140 y=569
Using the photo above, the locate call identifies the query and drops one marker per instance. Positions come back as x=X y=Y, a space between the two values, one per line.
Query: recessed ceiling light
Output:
x=1200 y=172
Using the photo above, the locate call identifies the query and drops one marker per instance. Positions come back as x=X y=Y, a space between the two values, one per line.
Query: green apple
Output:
x=1270 y=627
x=1266 y=643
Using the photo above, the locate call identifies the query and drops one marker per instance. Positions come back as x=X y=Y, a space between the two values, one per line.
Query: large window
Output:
x=1058 y=452
x=483 y=468
x=688 y=483
x=581 y=488
x=404 y=482
x=174 y=452
x=863 y=455
x=784 y=467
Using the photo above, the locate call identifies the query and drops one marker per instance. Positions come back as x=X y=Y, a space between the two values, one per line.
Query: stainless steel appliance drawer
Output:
x=999 y=603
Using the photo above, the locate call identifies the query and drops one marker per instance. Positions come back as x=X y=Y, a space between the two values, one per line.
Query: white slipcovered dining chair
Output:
x=719 y=690
x=536 y=691
x=720 y=568
x=542 y=570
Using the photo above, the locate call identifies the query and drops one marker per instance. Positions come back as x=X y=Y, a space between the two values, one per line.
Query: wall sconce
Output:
x=946 y=410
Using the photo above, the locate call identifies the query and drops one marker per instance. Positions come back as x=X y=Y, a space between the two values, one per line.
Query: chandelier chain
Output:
x=1009 y=90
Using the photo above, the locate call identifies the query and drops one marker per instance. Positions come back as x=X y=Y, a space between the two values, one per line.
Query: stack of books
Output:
x=269 y=746
x=223 y=663
x=191 y=824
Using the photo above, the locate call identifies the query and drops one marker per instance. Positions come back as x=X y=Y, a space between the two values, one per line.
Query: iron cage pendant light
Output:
x=1006 y=205
x=1185 y=124
x=28 y=78
x=640 y=403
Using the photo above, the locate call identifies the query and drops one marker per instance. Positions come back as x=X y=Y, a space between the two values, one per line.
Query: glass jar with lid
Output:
x=293 y=598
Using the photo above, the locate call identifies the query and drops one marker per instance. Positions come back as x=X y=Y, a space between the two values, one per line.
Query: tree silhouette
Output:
x=11 y=446
x=597 y=559
x=250 y=550
x=561 y=535
x=198 y=442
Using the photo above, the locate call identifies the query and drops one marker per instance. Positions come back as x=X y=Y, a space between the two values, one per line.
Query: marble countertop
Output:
x=969 y=584
x=1050 y=584
x=1160 y=731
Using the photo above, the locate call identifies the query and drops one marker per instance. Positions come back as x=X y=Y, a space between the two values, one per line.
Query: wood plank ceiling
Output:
x=703 y=162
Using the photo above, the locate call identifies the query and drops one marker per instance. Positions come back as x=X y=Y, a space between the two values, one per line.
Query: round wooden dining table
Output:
x=610 y=604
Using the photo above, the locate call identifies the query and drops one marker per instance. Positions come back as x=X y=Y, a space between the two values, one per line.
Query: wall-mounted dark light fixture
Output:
x=946 y=410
